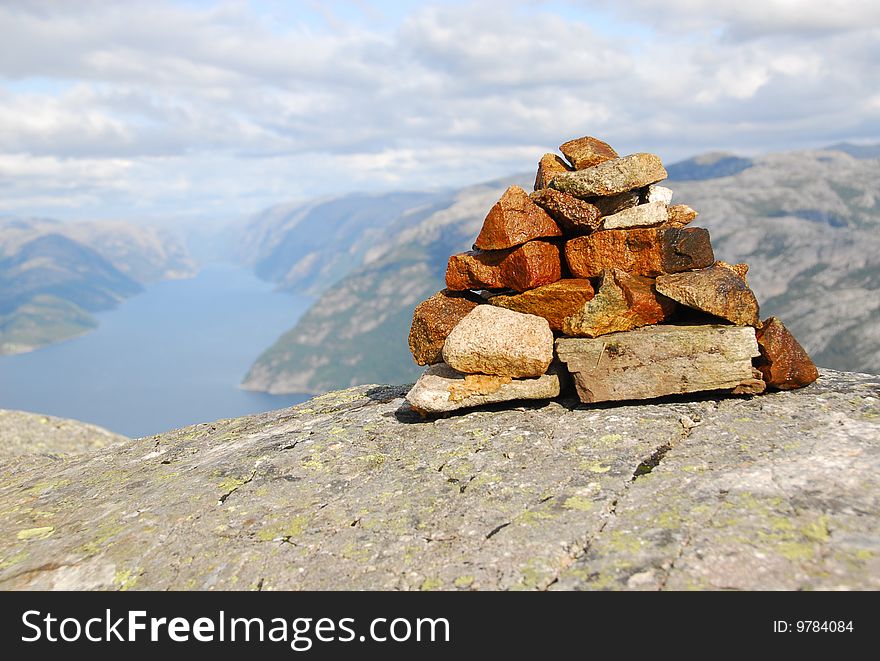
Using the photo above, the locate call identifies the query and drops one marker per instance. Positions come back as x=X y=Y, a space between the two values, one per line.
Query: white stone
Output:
x=643 y=215
x=660 y=194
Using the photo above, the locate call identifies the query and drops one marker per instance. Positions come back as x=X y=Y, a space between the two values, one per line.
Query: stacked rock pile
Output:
x=595 y=276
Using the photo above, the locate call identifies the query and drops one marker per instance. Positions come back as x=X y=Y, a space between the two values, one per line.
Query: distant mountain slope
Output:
x=806 y=222
x=708 y=166
x=53 y=275
x=56 y=266
x=857 y=151
x=308 y=247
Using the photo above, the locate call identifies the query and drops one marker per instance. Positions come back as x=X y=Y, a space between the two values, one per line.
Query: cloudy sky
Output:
x=213 y=109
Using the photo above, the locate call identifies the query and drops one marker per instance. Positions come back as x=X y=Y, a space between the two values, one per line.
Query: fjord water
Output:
x=169 y=357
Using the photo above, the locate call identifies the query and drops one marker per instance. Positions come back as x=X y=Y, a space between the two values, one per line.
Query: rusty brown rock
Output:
x=574 y=216
x=549 y=166
x=513 y=221
x=622 y=303
x=612 y=177
x=643 y=251
x=525 y=267
x=533 y=264
x=587 y=151
x=553 y=302
x=432 y=322
x=717 y=290
x=783 y=362
x=475 y=269
x=681 y=214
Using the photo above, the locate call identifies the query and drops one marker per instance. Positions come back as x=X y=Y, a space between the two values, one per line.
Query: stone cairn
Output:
x=596 y=278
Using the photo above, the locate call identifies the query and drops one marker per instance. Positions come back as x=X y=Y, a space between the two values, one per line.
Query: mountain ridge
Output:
x=54 y=275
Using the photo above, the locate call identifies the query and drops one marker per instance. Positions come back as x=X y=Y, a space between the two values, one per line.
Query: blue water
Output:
x=171 y=356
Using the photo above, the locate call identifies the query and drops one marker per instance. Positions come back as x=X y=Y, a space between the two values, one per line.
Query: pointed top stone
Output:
x=587 y=151
x=514 y=220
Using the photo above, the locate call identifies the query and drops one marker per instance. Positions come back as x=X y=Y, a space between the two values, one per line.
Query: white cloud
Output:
x=229 y=107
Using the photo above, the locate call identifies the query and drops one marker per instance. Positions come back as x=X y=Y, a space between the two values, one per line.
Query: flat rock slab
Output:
x=350 y=490
x=647 y=251
x=718 y=290
x=643 y=215
x=442 y=389
x=655 y=361
x=612 y=177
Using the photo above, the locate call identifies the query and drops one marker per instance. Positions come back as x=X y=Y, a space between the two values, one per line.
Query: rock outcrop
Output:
x=352 y=490
x=23 y=433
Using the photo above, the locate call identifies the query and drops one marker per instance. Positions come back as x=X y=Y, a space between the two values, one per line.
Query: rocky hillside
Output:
x=352 y=490
x=309 y=247
x=53 y=275
x=806 y=222
x=24 y=434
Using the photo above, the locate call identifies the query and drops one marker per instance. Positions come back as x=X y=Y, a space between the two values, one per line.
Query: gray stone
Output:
x=501 y=342
x=612 y=177
x=442 y=389
x=659 y=360
x=643 y=215
x=351 y=491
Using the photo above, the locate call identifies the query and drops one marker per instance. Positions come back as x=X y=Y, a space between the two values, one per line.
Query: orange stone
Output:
x=783 y=362
x=432 y=322
x=549 y=167
x=574 y=216
x=554 y=302
x=531 y=265
x=680 y=214
x=475 y=269
x=623 y=302
x=525 y=267
x=514 y=220
x=586 y=152
x=647 y=251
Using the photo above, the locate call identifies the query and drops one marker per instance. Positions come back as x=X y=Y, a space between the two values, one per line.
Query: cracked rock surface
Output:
x=353 y=490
